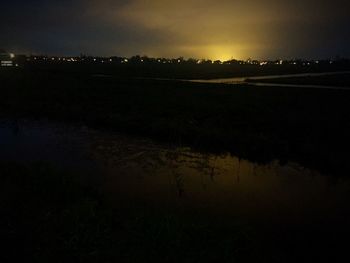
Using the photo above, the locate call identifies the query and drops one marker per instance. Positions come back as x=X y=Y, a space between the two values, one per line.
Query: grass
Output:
x=260 y=124
x=49 y=216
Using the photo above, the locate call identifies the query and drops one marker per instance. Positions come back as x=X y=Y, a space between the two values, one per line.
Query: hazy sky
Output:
x=215 y=29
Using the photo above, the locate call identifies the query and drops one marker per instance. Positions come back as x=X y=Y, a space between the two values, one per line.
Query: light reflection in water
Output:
x=223 y=184
x=134 y=171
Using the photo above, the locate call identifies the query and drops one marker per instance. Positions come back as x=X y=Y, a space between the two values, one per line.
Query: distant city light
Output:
x=6 y=63
x=138 y=59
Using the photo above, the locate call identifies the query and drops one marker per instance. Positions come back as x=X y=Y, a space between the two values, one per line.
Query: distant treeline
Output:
x=178 y=68
x=180 y=60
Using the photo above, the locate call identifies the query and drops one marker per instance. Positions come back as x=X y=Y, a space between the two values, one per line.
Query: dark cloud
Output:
x=196 y=28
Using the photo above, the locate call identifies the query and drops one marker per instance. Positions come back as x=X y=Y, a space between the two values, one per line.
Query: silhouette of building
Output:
x=6 y=59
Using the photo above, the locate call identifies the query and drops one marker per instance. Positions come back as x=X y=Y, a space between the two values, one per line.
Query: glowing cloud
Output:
x=213 y=29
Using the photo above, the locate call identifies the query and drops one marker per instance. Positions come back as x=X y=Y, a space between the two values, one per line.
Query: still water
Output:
x=248 y=80
x=135 y=170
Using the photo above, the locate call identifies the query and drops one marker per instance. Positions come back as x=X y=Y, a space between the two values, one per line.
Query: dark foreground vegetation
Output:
x=261 y=124
x=47 y=215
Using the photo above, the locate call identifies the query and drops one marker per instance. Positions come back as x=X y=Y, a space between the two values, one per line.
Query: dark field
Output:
x=261 y=124
x=50 y=215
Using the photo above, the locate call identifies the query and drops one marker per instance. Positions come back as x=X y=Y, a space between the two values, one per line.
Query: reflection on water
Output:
x=34 y=141
x=227 y=185
x=239 y=80
x=132 y=170
x=253 y=80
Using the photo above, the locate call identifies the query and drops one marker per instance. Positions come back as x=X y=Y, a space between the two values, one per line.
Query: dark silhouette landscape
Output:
x=193 y=153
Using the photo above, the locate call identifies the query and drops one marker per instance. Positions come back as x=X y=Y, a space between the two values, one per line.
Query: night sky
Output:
x=214 y=29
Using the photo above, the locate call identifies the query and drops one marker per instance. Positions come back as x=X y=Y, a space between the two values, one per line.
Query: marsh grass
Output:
x=307 y=126
x=49 y=216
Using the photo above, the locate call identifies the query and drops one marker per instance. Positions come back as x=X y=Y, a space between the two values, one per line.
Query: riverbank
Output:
x=144 y=201
x=46 y=215
x=310 y=127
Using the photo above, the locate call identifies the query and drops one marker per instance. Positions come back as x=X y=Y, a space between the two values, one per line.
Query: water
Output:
x=135 y=171
x=27 y=142
x=287 y=210
x=303 y=86
x=247 y=80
